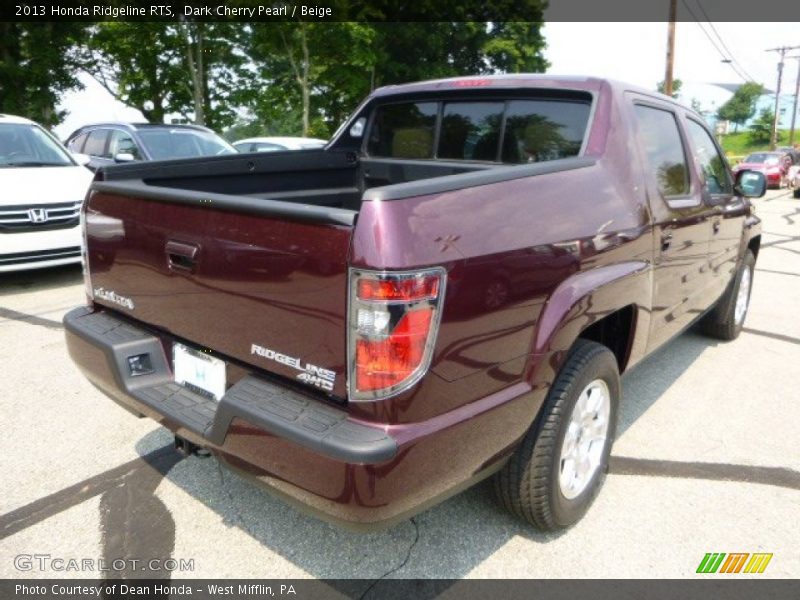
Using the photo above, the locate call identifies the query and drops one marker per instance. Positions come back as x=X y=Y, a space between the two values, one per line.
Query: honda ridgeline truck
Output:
x=449 y=290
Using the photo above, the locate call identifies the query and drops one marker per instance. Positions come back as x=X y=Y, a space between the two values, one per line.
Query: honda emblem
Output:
x=37 y=215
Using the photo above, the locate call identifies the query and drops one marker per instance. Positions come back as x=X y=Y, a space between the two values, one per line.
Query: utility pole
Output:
x=796 y=93
x=673 y=10
x=773 y=142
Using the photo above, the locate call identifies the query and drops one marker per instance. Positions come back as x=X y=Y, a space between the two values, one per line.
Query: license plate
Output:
x=198 y=370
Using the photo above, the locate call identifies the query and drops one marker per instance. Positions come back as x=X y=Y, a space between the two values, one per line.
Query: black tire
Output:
x=528 y=485
x=720 y=322
x=796 y=193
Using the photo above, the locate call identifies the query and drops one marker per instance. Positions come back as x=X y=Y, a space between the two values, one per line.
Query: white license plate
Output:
x=198 y=370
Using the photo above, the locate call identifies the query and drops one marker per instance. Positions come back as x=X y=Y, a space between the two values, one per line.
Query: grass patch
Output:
x=739 y=144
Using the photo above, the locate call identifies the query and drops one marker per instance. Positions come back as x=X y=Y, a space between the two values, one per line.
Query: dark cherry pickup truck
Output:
x=448 y=290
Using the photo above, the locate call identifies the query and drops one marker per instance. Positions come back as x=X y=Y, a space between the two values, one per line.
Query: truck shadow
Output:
x=447 y=541
x=646 y=382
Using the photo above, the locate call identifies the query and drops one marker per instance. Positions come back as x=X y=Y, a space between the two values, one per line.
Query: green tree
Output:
x=742 y=105
x=38 y=63
x=160 y=68
x=676 y=87
x=761 y=128
x=319 y=72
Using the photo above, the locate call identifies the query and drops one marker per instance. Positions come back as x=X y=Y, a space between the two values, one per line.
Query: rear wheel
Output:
x=726 y=319
x=554 y=475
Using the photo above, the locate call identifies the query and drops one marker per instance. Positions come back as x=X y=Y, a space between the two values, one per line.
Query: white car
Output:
x=277 y=144
x=43 y=187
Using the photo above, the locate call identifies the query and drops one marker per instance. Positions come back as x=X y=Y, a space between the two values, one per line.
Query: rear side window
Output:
x=711 y=163
x=122 y=143
x=470 y=130
x=661 y=142
x=265 y=147
x=538 y=130
x=404 y=130
x=96 y=143
x=508 y=131
x=76 y=144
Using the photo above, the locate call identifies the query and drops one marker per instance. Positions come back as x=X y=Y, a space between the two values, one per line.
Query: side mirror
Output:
x=81 y=159
x=123 y=157
x=751 y=184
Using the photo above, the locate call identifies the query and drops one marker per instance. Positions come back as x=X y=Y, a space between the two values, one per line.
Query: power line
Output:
x=713 y=43
x=721 y=41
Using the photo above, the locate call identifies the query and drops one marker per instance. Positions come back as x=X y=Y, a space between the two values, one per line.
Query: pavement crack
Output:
x=398 y=567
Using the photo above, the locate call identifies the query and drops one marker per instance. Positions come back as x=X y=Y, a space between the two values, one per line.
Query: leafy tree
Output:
x=761 y=128
x=742 y=105
x=676 y=87
x=37 y=65
x=160 y=68
x=322 y=70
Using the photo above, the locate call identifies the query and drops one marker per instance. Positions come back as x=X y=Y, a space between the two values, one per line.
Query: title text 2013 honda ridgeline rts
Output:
x=448 y=290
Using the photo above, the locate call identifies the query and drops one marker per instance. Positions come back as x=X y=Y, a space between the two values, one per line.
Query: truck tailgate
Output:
x=258 y=287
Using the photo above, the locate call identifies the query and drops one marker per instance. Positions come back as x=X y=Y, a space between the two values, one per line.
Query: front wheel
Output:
x=726 y=319
x=556 y=472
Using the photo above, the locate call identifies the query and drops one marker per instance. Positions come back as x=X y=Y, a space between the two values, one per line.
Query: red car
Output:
x=772 y=164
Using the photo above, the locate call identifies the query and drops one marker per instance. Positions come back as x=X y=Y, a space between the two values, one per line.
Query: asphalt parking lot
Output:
x=706 y=460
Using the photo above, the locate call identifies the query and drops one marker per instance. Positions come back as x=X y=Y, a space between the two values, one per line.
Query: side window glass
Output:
x=470 y=130
x=76 y=144
x=712 y=165
x=266 y=147
x=122 y=143
x=96 y=143
x=538 y=130
x=403 y=130
x=659 y=137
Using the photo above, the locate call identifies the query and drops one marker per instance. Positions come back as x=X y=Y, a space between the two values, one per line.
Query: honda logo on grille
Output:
x=37 y=215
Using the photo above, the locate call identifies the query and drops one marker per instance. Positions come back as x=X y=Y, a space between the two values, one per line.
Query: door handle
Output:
x=666 y=241
x=181 y=256
x=716 y=226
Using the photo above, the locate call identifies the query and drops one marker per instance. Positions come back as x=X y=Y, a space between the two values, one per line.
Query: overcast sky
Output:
x=633 y=52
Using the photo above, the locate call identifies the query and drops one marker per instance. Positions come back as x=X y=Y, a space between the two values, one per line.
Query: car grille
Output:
x=39 y=217
x=19 y=258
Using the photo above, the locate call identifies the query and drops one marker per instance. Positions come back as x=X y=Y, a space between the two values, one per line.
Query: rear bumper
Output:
x=309 y=451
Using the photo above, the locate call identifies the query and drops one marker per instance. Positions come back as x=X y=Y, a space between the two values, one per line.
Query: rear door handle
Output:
x=181 y=256
x=716 y=226
x=666 y=240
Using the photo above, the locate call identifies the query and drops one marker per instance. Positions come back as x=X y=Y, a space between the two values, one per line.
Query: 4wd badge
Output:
x=310 y=374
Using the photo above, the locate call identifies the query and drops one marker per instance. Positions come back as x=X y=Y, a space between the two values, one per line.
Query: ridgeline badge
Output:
x=112 y=296
x=311 y=374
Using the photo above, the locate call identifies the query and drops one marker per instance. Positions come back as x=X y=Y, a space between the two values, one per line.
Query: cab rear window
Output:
x=515 y=131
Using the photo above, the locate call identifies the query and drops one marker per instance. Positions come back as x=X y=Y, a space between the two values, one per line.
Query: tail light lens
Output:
x=393 y=321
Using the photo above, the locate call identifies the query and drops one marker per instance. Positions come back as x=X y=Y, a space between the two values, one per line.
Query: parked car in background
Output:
x=772 y=164
x=43 y=188
x=793 y=153
x=277 y=144
x=794 y=180
x=110 y=143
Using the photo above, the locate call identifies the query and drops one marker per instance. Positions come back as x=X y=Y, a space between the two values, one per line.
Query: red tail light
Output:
x=394 y=318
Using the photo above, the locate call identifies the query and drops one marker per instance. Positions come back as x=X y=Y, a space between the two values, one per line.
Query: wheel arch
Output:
x=609 y=305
